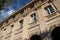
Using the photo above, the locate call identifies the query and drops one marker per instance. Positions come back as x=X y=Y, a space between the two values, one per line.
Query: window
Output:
x=12 y=27
x=21 y=23
x=49 y=9
x=33 y=17
x=4 y=31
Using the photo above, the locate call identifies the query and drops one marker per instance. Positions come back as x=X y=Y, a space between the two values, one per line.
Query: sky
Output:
x=15 y=5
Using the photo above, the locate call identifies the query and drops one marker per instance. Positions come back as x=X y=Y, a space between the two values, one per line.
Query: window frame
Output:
x=48 y=9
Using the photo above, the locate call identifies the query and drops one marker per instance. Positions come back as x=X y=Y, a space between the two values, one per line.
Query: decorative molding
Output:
x=24 y=8
x=58 y=15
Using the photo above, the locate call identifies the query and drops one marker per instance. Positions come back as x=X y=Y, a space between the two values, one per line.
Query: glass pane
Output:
x=51 y=9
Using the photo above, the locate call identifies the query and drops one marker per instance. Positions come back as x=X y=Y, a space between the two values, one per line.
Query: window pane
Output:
x=34 y=16
x=48 y=10
x=51 y=9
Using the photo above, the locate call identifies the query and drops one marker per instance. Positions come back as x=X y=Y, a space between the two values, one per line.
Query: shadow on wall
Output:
x=56 y=33
x=43 y=36
x=48 y=35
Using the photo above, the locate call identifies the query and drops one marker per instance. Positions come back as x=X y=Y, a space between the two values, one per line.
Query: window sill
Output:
x=18 y=31
x=51 y=15
x=9 y=33
x=33 y=24
x=8 y=37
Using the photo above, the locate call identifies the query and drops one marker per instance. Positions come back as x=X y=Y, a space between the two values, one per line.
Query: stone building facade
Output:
x=38 y=17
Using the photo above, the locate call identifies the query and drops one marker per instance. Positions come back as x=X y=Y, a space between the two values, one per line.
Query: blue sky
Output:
x=15 y=5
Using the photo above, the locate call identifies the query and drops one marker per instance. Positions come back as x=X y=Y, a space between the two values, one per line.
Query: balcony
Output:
x=52 y=16
x=33 y=24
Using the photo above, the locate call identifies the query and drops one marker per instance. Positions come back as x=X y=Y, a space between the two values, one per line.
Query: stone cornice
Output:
x=28 y=6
